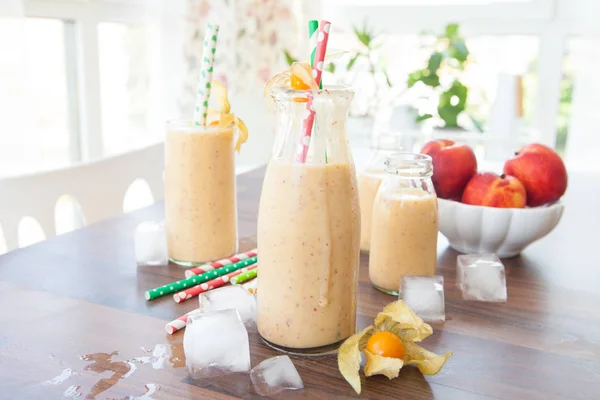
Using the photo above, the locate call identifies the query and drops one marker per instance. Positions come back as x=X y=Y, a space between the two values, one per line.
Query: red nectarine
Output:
x=453 y=166
x=542 y=172
x=489 y=189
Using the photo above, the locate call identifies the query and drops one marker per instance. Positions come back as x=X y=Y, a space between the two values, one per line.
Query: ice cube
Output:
x=274 y=375
x=481 y=277
x=425 y=296
x=216 y=343
x=231 y=297
x=151 y=244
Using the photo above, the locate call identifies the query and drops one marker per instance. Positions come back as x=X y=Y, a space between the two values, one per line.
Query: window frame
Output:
x=398 y=18
x=553 y=21
x=81 y=20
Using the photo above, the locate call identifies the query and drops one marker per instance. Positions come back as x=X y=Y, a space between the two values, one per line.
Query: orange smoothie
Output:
x=368 y=184
x=403 y=236
x=308 y=254
x=200 y=205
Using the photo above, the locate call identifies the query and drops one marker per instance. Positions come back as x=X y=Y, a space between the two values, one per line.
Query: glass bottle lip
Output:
x=188 y=125
x=286 y=93
x=410 y=165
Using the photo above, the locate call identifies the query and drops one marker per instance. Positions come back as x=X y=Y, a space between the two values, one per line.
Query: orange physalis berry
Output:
x=298 y=83
x=386 y=344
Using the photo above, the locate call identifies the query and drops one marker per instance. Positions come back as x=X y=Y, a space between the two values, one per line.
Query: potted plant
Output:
x=440 y=82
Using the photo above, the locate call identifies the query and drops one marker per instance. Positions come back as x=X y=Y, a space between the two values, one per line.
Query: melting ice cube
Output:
x=231 y=297
x=274 y=375
x=151 y=244
x=216 y=343
x=481 y=277
x=424 y=295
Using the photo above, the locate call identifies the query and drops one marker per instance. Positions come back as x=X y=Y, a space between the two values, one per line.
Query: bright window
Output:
x=34 y=95
x=429 y=2
x=124 y=87
x=578 y=118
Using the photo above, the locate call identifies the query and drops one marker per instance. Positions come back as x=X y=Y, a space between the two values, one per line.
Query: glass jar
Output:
x=405 y=222
x=309 y=226
x=200 y=192
x=369 y=180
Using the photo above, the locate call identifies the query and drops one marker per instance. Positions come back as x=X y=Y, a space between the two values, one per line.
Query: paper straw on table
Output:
x=245 y=276
x=219 y=264
x=251 y=286
x=206 y=72
x=197 y=280
x=212 y=284
x=179 y=323
x=319 y=62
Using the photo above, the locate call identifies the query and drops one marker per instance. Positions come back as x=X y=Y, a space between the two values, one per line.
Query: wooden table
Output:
x=74 y=322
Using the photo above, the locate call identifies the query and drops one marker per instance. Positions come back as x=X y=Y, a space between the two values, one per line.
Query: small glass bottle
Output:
x=369 y=180
x=404 y=222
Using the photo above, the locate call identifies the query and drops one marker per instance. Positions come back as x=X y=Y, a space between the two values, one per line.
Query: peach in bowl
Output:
x=491 y=217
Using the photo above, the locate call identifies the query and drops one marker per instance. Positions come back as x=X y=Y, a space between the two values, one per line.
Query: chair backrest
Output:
x=99 y=187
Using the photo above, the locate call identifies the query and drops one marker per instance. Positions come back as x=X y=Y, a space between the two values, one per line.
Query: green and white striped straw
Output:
x=206 y=72
x=244 y=277
x=313 y=27
x=197 y=279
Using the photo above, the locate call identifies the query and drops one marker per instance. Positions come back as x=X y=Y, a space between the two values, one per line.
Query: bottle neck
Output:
x=409 y=165
x=312 y=123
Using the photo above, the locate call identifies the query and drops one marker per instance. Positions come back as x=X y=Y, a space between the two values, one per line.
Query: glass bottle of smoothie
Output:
x=369 y=180
x=404 y=223
x=200 y=193
x=309 y=227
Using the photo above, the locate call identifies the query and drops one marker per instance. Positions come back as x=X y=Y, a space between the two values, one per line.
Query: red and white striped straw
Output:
x=322 y=38
x=206 y=286
x=219 y=264
x=180 y=322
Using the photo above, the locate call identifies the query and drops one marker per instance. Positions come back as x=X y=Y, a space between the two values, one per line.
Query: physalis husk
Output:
x=399 y=320
x=222 y=116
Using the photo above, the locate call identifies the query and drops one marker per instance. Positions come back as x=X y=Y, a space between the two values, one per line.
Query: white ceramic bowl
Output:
x=504 y=231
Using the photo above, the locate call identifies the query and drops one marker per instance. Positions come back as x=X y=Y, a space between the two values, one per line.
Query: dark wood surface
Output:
x=74 y=322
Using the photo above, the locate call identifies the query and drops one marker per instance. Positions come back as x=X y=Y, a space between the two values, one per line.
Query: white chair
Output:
x=99 y=188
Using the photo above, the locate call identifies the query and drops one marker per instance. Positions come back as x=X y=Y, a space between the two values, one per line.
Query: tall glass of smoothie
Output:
x=200 y=193
x=369 y=180
x=405 y=222
x=309 y=227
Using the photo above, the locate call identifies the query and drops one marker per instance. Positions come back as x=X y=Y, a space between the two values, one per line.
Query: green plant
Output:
x=370 y=42
x=442 y=73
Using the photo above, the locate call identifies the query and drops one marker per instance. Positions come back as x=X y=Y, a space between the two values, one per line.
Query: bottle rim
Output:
x=286 y=93
x=189 y=126
x=410 y=165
